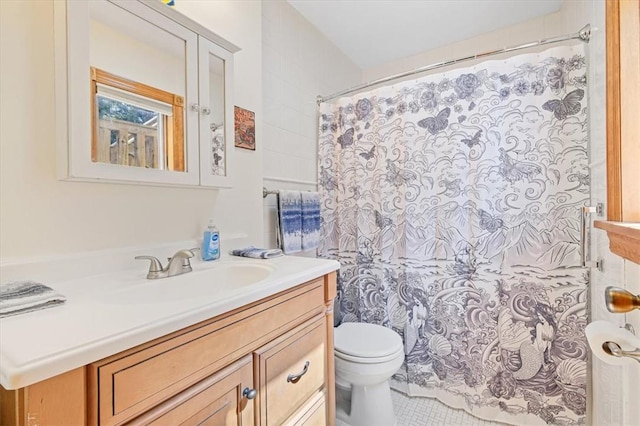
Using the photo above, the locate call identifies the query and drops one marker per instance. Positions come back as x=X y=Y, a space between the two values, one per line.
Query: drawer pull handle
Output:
x=294 y=378
x=249 y=393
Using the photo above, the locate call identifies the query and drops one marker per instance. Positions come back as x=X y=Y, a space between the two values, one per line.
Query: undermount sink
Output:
x=238 y=275
x=205 y=280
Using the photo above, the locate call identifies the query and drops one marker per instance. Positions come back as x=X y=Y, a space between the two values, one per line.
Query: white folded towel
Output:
x=18 y=297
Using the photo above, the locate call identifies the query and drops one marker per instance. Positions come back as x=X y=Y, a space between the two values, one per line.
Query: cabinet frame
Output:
x=301 y=302
x=73 y=99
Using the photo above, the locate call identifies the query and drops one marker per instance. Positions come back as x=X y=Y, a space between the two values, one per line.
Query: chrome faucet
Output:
x=178 y=264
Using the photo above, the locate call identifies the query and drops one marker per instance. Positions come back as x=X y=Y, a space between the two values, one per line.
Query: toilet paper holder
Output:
x=620 y=300
x=614 y=349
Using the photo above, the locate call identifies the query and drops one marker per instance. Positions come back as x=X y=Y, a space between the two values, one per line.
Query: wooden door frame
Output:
x=623 y=128
x=623 y=110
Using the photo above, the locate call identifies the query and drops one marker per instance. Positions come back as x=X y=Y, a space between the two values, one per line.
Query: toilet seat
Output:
x=367 y=360
x=366 y=343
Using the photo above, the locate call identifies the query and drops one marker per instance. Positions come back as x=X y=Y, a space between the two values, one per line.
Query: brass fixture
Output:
x=620 y=300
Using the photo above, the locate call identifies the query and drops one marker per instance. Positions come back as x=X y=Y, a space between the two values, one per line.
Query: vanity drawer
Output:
x=216 y=400
x=131 y=383
x=290 y=371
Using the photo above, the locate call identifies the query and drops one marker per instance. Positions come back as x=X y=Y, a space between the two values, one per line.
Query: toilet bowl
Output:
x=366 y=356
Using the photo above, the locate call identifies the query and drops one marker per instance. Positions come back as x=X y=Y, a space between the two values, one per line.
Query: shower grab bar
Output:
x=584 y=226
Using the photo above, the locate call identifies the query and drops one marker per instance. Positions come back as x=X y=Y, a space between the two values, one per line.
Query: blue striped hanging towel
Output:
x=290 y=211
x=310 y=220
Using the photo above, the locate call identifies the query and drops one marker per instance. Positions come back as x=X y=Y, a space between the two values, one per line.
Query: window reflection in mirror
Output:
x=138 y=89
x=136 y=125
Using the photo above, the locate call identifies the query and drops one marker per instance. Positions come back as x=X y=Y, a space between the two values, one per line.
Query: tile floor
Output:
x=429 y=412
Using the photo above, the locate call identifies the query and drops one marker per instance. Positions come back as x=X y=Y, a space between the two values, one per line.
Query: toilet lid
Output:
x=366 y=340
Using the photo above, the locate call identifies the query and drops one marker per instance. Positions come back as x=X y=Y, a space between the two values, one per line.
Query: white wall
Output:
x=299 y=64
x=551 y=25
x=40 y=215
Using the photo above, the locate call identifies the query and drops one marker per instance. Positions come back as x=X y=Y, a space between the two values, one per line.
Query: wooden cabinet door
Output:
x=218 y=400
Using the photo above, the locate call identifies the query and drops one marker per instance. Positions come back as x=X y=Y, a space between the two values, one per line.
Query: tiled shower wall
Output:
x=299 y=63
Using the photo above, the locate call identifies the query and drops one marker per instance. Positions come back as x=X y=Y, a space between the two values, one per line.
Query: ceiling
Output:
x=372 y=32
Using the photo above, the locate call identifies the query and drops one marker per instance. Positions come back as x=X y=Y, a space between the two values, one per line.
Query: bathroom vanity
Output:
x=266 y=361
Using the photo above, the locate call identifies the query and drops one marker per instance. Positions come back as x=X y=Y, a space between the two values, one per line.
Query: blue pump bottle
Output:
x=211 y=243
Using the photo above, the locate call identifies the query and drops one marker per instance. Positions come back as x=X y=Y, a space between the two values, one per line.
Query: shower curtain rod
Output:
x=584 y=34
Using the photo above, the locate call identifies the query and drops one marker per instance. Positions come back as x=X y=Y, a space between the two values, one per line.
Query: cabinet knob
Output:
x=249 y=393
x=206 y=110
x=195 y=107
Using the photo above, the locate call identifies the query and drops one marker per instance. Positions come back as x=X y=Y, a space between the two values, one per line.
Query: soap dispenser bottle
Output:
x=211 y=242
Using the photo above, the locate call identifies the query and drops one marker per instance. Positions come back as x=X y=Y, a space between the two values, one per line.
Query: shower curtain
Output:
x=452 y=203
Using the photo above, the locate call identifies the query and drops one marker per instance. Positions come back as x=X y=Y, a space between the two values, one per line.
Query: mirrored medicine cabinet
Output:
x=143 y=95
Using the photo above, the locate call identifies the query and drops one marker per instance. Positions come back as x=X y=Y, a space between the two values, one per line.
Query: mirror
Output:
x=137 y=89
x=217 y=119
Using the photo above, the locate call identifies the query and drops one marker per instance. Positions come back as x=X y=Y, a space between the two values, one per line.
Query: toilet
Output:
x=366 y=356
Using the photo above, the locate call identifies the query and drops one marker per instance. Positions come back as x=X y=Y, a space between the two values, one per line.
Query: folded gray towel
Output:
x=18 y=297
x=257 y=253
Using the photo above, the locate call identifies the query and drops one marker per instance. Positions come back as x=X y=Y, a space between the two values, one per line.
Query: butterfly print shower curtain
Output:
x=452 y=203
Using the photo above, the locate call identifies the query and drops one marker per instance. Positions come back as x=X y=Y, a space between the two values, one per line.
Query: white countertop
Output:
x=108 y=313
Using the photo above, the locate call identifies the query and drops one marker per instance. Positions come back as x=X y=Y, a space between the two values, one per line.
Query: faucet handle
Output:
x=184 y=253
x=155 y=267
